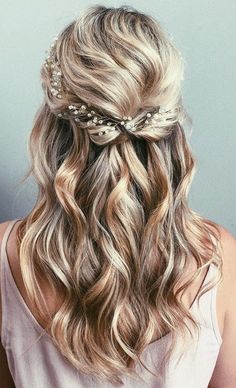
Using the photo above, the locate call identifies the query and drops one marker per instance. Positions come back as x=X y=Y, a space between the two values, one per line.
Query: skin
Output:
x=224 y=374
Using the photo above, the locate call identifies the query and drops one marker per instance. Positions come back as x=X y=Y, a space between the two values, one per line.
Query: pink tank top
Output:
x=35 y=362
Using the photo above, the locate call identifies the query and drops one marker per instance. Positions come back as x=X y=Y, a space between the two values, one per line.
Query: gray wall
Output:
x=204 y=31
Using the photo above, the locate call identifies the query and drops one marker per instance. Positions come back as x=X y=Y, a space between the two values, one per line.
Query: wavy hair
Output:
x=111 y=229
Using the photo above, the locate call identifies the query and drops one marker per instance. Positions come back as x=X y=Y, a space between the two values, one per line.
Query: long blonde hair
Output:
x=111 y=227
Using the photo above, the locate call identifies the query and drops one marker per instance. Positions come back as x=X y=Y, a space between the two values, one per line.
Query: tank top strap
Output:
x=3 y=281
x=205 y=310
x=6 y=236
x=214 y=318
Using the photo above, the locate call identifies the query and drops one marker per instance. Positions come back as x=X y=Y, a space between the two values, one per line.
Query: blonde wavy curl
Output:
x=111 y=228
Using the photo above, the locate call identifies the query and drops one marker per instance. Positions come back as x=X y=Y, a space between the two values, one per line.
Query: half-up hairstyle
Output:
x=111 y=229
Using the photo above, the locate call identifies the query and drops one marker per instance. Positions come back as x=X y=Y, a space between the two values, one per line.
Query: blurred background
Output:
x=204 y=32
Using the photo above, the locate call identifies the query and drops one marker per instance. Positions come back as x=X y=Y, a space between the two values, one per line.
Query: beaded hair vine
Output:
x=83 y=114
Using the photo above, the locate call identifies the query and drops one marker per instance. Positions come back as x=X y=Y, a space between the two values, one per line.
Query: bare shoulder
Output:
x=228 y=239
x=228 y=254
x=224 y=374
x=228 y=243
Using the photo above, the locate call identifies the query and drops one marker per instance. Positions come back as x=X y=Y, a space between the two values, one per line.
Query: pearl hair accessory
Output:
x=53 y=67
x=82 y=113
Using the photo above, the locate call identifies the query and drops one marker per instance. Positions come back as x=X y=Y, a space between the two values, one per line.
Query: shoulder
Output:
x=11 y=239
x=10 y=244
x=228 y=239
x=228 y=254
x=224 y=372
x=3 y=227
x=228 y=244
x=5 y=374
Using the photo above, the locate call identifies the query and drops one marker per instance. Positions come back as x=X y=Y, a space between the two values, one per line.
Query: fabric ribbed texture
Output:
x=35 y=362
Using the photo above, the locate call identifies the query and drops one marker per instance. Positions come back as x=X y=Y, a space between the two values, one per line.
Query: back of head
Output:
x=111 y=226
x=120 y=63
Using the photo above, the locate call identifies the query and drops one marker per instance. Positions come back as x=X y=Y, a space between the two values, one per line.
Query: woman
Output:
x=111 y=278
